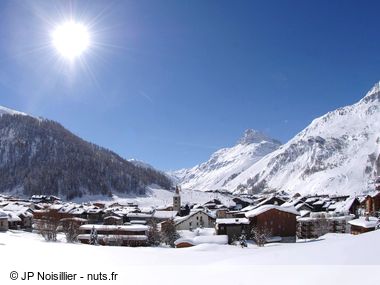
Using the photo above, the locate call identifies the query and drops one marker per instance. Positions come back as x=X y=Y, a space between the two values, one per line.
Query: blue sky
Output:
x=169 y=82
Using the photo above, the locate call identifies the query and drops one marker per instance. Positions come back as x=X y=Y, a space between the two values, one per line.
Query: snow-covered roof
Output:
x=215 y=239
x=361 y=222
x=113 y=218
x=300 y=205
x=139 y=215
x=3 y=215
x=74 y=219
x=233 y=221
x=136 y=222
x=374 y=194
x=56 y=207
x=265 y=208
x=164 y=214
x=12 y=217
x=15 y=207
x=292 y=202
x=343 y=206
x=132 y=228
x=106 y=238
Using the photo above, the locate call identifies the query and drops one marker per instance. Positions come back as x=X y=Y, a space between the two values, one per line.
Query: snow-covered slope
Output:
x=39 y=156
x=226 y=164
x=331 y=260
x=5 y=110
x=337 y=153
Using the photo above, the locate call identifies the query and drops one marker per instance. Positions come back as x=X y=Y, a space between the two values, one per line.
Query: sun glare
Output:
x=71 y=39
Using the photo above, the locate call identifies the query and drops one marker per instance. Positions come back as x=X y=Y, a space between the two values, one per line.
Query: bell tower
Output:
x=177 y=200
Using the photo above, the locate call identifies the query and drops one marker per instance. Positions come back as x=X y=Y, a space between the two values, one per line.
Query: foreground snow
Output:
x=335 y=258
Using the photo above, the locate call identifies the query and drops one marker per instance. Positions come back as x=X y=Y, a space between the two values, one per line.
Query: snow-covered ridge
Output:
x=226 y=164
x=252 y=136
x=338 y=153
x=5 y=110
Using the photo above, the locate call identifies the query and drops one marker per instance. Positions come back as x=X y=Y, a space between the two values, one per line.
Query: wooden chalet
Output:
x=232 y=227
x=372 y=203
x=276 y=220
x=3 y=221
x=363 y=225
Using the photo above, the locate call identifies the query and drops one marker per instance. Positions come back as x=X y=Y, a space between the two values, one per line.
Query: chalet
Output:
x=95 y=215
x=21 y=215
x=3 y=221
x=372 y=203
x=363 y=225
x=349 y=205
x=233 y=227
x=321 y=223
x=196 y=219
x=276 y=220
x=79 y=212
x=113 y=220
x=14 y=222
x=125 y=235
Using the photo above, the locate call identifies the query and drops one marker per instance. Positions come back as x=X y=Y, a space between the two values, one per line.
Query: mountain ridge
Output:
x=40 y=156
x=227 y=163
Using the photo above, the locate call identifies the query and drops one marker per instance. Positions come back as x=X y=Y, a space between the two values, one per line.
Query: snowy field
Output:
x=159 y=197
x=333 y=259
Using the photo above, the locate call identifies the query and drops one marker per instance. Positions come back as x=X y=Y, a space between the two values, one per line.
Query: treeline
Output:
x=43 y=157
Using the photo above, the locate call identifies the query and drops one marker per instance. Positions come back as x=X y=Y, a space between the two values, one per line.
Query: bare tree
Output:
x=169 y=233
x=154 y=238
x=260 y=235
x=70 y=227
x=47 y=225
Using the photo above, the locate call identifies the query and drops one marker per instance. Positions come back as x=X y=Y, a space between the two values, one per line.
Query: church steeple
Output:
x=177 y=200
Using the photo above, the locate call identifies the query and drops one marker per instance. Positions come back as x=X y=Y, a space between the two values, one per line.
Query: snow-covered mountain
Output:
x=39 y=156
x=226 y=164
x=337 y=153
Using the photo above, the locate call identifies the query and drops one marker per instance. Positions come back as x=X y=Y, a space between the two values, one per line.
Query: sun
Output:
x=71 y=39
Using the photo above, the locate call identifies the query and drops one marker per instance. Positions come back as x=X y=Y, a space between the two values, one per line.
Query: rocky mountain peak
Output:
x=254 y=136
x=373 y=94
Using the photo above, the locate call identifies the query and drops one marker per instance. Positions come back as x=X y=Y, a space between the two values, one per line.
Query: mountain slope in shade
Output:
x=337 y=153
x=39 y=156
x=226 y=164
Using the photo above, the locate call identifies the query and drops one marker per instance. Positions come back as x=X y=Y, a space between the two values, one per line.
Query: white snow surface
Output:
x=362 y=222
x=265 y=208
x=332 y=259
x=227 y=163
